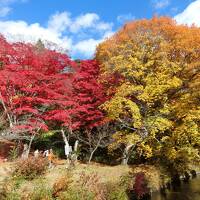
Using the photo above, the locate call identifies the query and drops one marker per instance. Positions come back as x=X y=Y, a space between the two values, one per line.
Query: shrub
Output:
x=91 y=183
x=87 y=187
x=138 y=183
x=152 y=175
x=62 y=184
x=77 y=194
x=5 y=188
x=8 y=189
x=13 y=153
x=31 y=167
x=141 y=181
x=140 y=186
x=41 y=192
x=116 y=191
x=13 y=195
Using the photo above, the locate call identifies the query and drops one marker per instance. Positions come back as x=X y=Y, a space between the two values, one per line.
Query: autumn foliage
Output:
x=157 y=99
x=33 y=82
x=144 y=80
x=88 y=95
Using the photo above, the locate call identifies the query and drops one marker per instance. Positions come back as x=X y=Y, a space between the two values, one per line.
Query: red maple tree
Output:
x=88 y=95
x=42 y=89
x=86 y=114
x=34 y=86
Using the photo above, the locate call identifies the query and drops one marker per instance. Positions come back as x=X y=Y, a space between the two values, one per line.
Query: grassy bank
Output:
x=103 y=178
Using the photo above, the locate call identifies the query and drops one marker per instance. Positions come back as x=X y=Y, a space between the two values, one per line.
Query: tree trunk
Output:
x=126 y=154
x=30 y=143
x=91 y=155
x=93 y=151
x=64 y=137
x=75 y=151
x=66 y=147
x=6 y=111
x=125 y=161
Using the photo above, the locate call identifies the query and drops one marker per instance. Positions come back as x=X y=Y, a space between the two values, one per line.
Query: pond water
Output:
x=187 y=191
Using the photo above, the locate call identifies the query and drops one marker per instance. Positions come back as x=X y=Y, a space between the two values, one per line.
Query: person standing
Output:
x=50 y=158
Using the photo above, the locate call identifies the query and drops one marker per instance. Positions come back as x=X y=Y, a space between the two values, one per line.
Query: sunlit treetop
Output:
x=157 y=96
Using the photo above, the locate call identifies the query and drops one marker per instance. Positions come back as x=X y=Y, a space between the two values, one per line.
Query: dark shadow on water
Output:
x=132 y=196
x=188 y=190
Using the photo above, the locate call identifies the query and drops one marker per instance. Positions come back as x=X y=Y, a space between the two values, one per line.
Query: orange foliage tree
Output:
x=157 y=98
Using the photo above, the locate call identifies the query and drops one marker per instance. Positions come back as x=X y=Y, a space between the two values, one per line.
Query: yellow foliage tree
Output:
x=157 y=98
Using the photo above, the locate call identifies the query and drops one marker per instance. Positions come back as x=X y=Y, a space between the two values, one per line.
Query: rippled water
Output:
x=187 y=191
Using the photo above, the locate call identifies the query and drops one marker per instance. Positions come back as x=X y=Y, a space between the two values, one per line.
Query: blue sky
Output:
x=79 y=25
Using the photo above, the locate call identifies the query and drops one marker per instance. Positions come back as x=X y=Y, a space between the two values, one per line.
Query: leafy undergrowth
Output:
x=95 y=181
x=30 y=168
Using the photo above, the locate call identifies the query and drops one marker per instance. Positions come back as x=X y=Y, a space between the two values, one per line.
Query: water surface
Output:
x=187 y=191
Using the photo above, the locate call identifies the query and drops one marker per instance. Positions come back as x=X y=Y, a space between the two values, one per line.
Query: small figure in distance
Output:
x=46 y=153
x=36 y=153
x=50 y=158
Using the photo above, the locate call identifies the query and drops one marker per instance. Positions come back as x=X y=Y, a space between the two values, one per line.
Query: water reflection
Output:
x=187 y=191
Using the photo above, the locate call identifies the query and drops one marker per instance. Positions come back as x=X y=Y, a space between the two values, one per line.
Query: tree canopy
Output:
x=143 y=85
x=157 y=97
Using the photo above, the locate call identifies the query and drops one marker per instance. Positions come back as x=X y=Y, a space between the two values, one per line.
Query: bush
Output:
x=8 y=189
x=77 y=194
x=87 y=187
x=31 y=167
x=116 y=191
x=62 y=184
x=152 y=175
x=91 y=184
x=12 y=196
x=136 y=184
x=141 y=181
x=140 y=186
x=13 y=153
x=41 y=192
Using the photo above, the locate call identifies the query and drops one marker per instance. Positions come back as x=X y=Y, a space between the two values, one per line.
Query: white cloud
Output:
x=59 y=22
x=124 y=18
x=21 y=31
x=5 y=8
x=160 y=4
x=62 y=21
x=78 y=35
x=191 y=15
x=4 y=11
x=84 y=21
x=86 y=47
